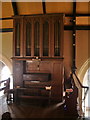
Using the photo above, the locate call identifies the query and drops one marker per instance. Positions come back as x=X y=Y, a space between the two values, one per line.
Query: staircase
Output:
x=73 y=97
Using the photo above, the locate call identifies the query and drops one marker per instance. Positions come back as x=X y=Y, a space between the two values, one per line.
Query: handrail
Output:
x=3 y=81
x=82 y=86
x=80 y=82
x=7 y=84
x=81 y=100
x=3 y=88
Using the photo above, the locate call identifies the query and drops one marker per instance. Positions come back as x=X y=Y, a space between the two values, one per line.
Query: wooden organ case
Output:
x=38 y=56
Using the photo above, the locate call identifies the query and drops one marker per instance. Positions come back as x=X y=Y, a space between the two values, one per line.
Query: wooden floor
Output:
x=32 y=110
x=29 y=110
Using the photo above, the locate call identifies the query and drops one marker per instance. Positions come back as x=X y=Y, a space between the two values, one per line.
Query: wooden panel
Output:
x=29 y=8
x=57 y=81
x=6 y=24
x=32 y=66
x=83 y=7
x=59 y=7
x=44 y=66
x=43 y=77
x=82 y=20
x=18 y=73
x=7 y=10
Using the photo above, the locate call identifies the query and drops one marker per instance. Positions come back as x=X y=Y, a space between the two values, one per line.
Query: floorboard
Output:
x=32 y=110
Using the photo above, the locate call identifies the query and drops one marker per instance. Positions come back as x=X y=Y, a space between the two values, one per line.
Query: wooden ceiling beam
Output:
x=7 y=18
x=74 y=37
x=82 y=15
x=81 y=27
x=6 y=30
x=69 y=28
x=78 y=27
x=14 y=5
x=44 y=6
x=77 y=15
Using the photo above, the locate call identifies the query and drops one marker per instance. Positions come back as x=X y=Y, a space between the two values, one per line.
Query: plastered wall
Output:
x=82 y=52
x=6 y=50
x=67 y=51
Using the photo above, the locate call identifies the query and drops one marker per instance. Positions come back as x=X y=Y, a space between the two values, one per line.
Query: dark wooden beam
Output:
x=74 y=37
x=8 y=18
x=78 y=27
x=14 y=5
x=83 y=27
x=77 y=15
x=82 y=15
x=74 y=8
x=6 y=30
x=44 y=6
x=69 y=28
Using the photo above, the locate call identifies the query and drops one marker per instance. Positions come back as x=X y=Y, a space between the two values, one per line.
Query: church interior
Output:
x=44 y=59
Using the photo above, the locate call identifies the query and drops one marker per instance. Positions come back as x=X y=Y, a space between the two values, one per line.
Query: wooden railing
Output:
x=6 y=85
x=85 y=87
x=80 y=99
